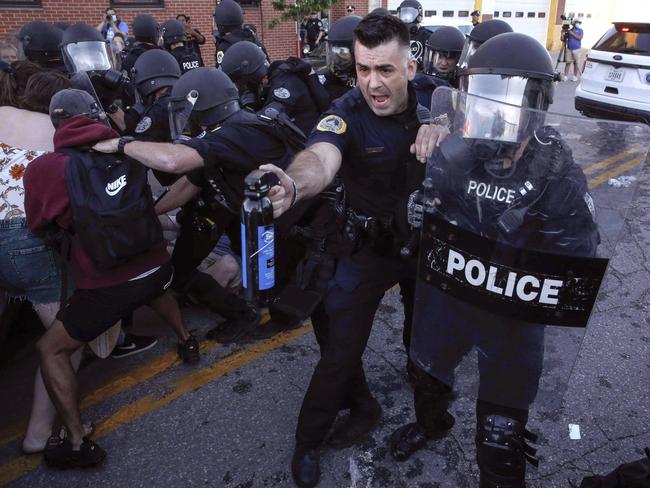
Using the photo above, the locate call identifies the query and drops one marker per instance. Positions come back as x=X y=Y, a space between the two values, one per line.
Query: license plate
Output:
x=615 y=75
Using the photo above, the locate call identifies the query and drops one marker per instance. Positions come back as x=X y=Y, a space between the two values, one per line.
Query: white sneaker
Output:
x=574 y=78
x=564 y=78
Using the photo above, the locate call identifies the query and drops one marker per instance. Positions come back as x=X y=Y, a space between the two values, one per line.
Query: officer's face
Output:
x=383 y=73
x=445 y=64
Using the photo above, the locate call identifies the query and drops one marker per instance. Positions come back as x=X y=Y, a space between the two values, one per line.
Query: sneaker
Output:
x=564 y=78
x=574 y=78
x=188 y=351
x=133 y=344
x=60 y=454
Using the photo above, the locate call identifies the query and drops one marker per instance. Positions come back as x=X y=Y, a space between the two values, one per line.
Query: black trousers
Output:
x=342 y=325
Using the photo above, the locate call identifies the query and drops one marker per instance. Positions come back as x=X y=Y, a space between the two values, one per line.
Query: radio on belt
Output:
x=258 y=238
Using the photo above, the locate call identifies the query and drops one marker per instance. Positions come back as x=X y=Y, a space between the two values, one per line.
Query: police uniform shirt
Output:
x=375 y=150
x=186 y=58
x=425 y=85
x=291 y=92
x=561 y=220
x=229 y=149
x=153 y=125
x=131 y=54
x=418 y=42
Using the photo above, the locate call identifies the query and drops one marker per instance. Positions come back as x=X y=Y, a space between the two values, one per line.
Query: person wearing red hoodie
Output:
x=101 y=298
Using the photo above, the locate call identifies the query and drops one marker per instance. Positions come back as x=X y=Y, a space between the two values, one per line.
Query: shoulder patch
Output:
x=219 y=57
x=143 y=125
x=322 y=79
x=282 y=93
x=332 y=123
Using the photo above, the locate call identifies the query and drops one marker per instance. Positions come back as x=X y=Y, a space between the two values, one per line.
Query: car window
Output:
x=626 y=39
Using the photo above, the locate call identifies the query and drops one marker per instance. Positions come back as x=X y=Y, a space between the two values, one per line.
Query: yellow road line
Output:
x=602 y=178
x=149 y=403
x=607 y=162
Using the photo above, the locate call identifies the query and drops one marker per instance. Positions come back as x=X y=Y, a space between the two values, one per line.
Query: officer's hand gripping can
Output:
x=258 y=238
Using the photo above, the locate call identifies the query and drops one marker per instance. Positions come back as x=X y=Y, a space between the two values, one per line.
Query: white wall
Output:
x=534 y=16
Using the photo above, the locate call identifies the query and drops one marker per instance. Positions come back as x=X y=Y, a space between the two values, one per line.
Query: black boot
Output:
x=433 y=421
x=305 y=467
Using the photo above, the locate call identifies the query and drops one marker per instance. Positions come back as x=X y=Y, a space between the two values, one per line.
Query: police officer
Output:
x=221 y=155
x=410 y=12
x=229 y=20
x=351 y=137
x=555 y=216
x=314 y=31
x=173 y=34
x=442 y=52
x=39 y=43
x=340 y=75
x=84 y=49
x=146 y=32
x=481 y=33
x=154 y=74
x=247 y=66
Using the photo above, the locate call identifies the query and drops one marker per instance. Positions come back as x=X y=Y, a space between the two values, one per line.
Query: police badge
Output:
x=282 y=93
x=143 y=125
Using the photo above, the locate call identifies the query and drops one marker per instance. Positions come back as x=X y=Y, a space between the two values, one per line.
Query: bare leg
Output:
x=166 y=307
x=55 y=349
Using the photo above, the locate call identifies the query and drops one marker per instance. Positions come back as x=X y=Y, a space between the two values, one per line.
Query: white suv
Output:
x=615 y=82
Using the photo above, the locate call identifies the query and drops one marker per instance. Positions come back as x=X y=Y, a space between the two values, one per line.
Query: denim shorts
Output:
x=27 y=266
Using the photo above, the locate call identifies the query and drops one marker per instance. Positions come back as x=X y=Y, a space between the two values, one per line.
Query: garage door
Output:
x=525 y=16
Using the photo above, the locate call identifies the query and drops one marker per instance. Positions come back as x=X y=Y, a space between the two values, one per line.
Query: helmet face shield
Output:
x=500 y=109
x=408 y=15
x=340 y=57
x=439 y=63
x=88 y=56
x=180 y=114
x=468 y=51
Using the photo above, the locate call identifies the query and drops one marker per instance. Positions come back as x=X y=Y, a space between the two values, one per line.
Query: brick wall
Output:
x=280 y=41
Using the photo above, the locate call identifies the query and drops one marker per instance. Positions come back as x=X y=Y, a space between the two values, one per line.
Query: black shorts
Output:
x=91 y=312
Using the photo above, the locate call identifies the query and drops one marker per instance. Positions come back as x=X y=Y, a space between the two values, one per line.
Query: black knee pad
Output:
x=502 y=451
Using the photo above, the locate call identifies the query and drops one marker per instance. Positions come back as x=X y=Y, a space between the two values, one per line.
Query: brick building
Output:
x=281 y=41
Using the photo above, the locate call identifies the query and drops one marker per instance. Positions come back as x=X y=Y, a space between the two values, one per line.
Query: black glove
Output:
x=415 y=209
x=248 y=99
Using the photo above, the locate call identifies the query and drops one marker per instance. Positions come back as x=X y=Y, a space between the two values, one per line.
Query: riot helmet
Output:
x=481 y=33
x=521 y=80
x=204 y=96
x=410 y=12
x=146 y=29
x=245 y=63
x=62 y=25
x=340 y=49
x=39 y=43
x=227 y=16
x=172 y=32
x=442 y=51
x=155 y=69
x=380 y=11
x=84 y=49
x=72 y=102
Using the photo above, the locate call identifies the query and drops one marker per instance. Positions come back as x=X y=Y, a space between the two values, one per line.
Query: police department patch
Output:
x=219 y=57
x=282 y=93
x=143 y=125
x=332 y=123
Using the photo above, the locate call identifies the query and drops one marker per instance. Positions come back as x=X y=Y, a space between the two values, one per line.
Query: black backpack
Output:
x=112 y=207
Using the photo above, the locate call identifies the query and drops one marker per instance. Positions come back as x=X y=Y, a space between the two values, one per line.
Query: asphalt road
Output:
x=229 y=421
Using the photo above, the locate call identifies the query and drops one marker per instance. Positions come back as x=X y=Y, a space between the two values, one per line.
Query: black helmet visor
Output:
x=439 y=63
x=340 y=57
x=408 y=15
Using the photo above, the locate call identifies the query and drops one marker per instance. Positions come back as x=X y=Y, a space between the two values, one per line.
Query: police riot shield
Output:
x=523 y=210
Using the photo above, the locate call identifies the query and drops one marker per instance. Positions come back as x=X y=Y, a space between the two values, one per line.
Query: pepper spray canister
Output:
x=258 y=238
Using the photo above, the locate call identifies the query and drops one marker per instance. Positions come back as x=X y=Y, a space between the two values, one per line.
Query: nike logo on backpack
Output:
x=114 y=187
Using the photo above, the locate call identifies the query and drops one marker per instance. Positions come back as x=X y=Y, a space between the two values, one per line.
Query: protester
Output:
x=8 y=52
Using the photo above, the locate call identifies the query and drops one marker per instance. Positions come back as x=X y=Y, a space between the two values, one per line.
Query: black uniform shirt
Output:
x=187 y=58
x=336 y=86
x=153 y=125
x=375 y=151
x=289 y=92
x=313 y=27
x=237 y=148
x=236 y=35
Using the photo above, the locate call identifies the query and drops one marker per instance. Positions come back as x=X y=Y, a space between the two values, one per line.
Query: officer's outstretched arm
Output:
x=171 y=158
x=308 y=175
